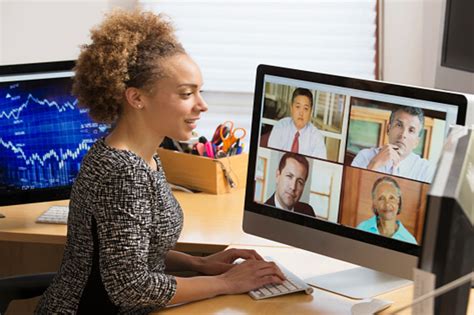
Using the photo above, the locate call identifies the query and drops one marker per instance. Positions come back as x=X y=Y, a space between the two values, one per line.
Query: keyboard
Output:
x=55 y=214
x=292 y=284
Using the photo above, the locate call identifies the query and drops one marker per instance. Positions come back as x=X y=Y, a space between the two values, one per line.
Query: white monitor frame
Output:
x=385 y=255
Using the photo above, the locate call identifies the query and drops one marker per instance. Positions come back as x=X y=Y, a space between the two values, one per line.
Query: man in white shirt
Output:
x=296 y=133
x=397 y=157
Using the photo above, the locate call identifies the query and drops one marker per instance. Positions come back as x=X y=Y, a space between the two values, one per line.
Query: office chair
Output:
x=23 y=287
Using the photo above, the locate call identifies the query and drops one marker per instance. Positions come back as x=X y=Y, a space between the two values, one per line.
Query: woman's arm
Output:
x=214 y=264
x=244 y=277
x=178 y=261
x=123 y=215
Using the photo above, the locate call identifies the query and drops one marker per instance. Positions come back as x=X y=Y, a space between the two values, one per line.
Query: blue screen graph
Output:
x=43 y=134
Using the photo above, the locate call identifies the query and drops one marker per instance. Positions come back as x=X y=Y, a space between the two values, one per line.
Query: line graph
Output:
x=60 y=157
x=15 y=113
x=43 y=134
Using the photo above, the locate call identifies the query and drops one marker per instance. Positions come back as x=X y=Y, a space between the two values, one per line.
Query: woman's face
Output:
x=174 y=106
x=386 y=202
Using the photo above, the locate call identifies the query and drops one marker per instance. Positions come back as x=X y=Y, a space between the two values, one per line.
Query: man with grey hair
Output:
x=397 y=157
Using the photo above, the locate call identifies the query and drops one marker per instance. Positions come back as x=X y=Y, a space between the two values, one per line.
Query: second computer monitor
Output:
x=44 y=134
x=341 y=166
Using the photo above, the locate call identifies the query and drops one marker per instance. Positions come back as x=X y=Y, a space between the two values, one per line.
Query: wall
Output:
x=411 y=41
x=35 y=30
x=402 y=33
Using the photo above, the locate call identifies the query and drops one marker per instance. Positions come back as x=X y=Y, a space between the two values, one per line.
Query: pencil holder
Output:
x=215 y=176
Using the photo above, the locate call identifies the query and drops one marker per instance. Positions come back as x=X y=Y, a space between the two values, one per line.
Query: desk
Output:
x=304 y=264
x=209 y=220
x=212 y=222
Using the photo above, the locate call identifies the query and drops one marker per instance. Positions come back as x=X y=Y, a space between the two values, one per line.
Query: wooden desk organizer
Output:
x=203 y=173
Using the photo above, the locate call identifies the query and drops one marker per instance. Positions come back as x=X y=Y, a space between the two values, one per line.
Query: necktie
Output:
x=295 y=145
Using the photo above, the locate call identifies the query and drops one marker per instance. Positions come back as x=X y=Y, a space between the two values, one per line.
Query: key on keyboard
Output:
x=292 y=284
x=55 y=214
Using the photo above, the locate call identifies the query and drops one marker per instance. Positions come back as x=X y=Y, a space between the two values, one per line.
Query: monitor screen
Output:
x=350 y=158
x=455 y=51
x=458 y=43
x=43 y=133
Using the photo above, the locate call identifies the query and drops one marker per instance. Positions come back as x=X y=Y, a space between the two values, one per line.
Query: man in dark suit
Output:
x=291 y=177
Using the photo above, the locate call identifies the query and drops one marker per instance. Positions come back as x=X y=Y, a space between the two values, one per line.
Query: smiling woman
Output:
x=123 y=219
x=387 y=205
x=169 y=107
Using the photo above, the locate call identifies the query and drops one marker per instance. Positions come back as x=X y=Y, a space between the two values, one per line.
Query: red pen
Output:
x=209 y=149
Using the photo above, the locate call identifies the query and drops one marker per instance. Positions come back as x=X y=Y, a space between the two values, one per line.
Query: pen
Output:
x=233 y=149
x=209 y=149
x=214 y=150
x=200 y=148
x=239 y=149
x=177 y=145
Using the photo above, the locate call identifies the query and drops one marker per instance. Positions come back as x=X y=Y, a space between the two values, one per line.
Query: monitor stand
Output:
x=358 y=283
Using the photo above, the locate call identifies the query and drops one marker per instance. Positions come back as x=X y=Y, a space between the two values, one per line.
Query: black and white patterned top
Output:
x=125 y=211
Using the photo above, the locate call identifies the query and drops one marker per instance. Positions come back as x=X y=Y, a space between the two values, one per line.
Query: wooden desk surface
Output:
x=209 y=221
x=19 y=224
x=304 y=264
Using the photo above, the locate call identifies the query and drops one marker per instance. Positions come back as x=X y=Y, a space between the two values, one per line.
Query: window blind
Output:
x=228 y=39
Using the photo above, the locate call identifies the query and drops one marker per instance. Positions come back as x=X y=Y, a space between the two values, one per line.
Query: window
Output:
x=228 y=39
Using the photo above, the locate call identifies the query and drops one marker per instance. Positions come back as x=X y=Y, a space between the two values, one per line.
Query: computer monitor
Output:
x=338 y=207
x=43 y=132
x=455 y=67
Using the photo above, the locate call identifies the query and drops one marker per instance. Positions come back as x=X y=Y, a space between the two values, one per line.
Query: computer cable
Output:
x=437 y=292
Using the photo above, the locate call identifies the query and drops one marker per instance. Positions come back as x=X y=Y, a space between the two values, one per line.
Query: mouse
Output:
x=370 y=306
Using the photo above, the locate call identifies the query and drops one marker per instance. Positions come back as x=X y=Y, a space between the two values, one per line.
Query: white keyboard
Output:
x=55 y=214
x=292 y=284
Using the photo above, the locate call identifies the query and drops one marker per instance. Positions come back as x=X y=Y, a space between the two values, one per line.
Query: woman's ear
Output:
x=134 y=97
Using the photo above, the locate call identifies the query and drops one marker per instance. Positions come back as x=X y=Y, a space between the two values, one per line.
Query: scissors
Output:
x=216 y=138
x=230 y=137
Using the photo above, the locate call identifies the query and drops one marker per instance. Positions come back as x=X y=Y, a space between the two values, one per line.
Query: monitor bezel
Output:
x=37 y=194
x=360 y=84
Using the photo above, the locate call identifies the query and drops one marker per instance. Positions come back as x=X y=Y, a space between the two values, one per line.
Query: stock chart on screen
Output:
x=43 y=134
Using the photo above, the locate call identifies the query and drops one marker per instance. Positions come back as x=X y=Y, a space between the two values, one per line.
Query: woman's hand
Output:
x=240 y=278
x=250 y=275
x=223 y=261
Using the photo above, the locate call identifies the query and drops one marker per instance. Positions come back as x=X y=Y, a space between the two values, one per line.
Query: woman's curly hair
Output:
x=126 y=51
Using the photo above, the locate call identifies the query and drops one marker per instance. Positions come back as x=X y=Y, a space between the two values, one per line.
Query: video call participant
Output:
x=123 y=218
x=291 y=177
x=296 y=133
x=386 y=205
x=397 y=157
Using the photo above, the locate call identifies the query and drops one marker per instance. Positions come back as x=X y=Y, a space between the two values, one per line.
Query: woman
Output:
x=123 y=218
x=387 y=205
